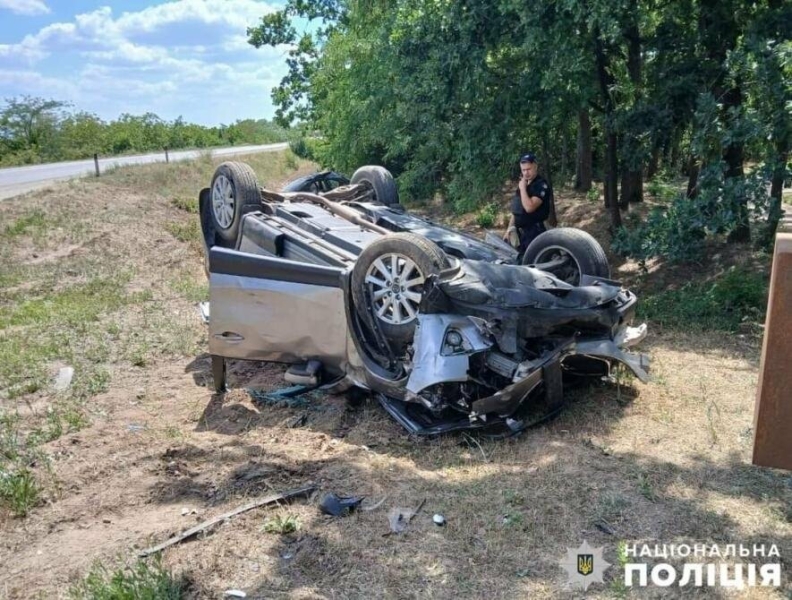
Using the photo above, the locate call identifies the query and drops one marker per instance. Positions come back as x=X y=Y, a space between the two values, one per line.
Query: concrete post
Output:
x=773 y=411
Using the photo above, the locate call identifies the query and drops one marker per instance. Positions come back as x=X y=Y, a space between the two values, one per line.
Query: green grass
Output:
x=186 y=204
x=60 y=325
x=79 y=303
x=141 y=581
x=722 y=304
x=185 y=232
x=27 y=224
x=190 y=288
x=39 y=328
x=178 y=181
x=75 y=309
x=19 y=490
x=282 y=524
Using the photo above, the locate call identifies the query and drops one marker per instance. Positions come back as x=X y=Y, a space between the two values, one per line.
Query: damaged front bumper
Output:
x=443 y=348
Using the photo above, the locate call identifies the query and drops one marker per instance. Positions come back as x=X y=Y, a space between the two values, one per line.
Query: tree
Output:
x=448 y=94
x=28 y=125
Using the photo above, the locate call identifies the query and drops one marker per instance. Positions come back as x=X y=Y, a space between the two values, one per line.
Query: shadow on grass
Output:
x=510 y=520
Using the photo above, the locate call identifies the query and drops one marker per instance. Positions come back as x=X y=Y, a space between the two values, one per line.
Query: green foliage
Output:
x=487 y=216
x=141 y=581
x=593 y=194
x=189 y=205
x=23 y=225
x=300 y=148
x=661 y=189
x=34 y=130
x=282 y=524
x=722 y=304
x=678 y=231
x=19 y=490
x=447 y=95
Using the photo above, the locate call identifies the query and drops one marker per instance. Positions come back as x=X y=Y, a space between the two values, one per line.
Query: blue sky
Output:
x=186 y=58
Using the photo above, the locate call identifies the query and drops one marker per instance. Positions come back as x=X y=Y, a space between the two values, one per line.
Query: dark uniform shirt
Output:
x=541 y=189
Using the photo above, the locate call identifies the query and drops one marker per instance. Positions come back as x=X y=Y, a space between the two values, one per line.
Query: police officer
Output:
x=530 y=205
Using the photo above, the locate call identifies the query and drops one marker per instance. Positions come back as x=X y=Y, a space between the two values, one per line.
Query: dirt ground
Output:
x=666 y=462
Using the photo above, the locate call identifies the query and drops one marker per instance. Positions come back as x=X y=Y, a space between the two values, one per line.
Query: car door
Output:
x=269 y=308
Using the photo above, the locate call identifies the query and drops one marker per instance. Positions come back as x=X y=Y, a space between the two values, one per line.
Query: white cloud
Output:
x=36 y=84
x=25 y=7
x=186 y=57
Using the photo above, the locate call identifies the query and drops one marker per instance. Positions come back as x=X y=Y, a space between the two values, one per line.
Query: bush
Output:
x=677 y=232
x=660 y=189
x=487 y=216
x=736 y=296
x=300 y=148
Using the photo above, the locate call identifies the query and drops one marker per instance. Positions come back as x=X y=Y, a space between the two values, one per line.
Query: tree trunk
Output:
x=563 y=167
x=606 y=81
x=693 y=170
x=612 y=179
x=583 y=172
x=631 y=188
x=654 y=162
x=776 y=192
x=733 y=155
x=632 y=180
x=547 y=173
x=625 y=187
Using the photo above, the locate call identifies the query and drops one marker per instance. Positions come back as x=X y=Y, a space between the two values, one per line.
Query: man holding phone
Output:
x=530 y=205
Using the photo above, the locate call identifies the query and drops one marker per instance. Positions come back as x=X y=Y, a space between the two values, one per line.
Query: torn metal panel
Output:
x=439 y=359
x=638 y=363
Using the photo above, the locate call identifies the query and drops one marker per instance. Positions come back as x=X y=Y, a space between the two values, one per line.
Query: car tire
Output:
x=381 y=181
x=234 y=193
x=387 y=282
x=583 y=254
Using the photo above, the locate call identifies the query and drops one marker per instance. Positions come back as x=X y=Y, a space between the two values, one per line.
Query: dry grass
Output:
x=667 y=462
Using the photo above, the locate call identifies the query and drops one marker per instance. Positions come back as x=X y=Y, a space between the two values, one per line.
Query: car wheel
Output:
x=234 y=192
x=388 y=282
x=381 y=181
x=567 y=253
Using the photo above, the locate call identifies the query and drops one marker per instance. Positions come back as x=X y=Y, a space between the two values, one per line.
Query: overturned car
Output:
x=448 y=331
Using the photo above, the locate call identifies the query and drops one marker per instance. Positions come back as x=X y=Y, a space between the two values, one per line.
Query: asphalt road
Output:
x=18 y=180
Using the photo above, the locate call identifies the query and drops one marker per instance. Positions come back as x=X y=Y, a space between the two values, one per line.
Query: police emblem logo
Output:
x=584 y=565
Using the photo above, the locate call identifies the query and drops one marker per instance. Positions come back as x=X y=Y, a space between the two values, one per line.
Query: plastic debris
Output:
x=63 y=379
x=332 y=504
x=234 y=594
x=399 y=518
x=295 y=396
x=439 y=520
